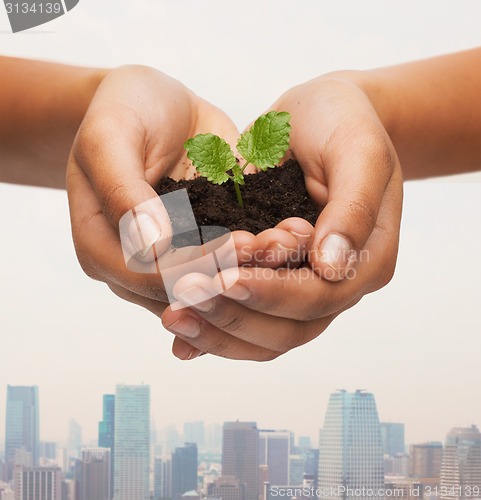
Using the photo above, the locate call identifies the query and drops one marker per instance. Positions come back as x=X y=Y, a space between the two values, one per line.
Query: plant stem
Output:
x=238 y=194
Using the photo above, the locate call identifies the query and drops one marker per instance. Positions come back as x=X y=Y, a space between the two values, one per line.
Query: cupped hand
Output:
x=352 y=170
x=133 y=135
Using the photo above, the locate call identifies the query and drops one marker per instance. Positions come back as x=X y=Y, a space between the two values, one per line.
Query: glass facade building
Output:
x=351 y=450
x=274 y=451
x=461 y=464
x=22 y=425
x=132 y=443
x=240 y=456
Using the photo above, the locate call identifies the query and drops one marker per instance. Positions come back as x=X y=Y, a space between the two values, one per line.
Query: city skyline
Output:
x=415 y=344
x=354 y=449
x=103 y=434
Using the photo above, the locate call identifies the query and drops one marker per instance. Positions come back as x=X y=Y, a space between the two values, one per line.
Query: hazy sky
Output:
x=415 y=344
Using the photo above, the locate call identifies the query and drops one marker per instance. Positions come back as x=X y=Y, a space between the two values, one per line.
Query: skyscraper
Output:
x=37 y=483
x=297 y=464
x=22 y=425
x=227 y=488
x=351 y=454
x=240 y=455
x=194 y=432
x=425 y=460
x=184 y=470
x=461 y=464
x=162 y=478
x=392 y=438
x=274 y=451
x=92 y=475
x=132 y=443
x=74 y=438
x=107 y=431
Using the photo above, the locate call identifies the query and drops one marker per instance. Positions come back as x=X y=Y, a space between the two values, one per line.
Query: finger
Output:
x=98 y=246
x=357 y=173
x=111 y=150
x=228 y=329
x=301 y=294
x=303 y=231
x=154 y=306
x=184 y=351
x=275 y=247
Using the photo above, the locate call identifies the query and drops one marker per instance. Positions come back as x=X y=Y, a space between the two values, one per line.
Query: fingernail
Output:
x=146 y=233
x=336 y=252
x=195 y=353
x=238 y=292
x=197 y=297
x=186 y=326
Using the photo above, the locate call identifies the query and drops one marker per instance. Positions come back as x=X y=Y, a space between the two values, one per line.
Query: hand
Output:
x=351 y=168
x=133 y=135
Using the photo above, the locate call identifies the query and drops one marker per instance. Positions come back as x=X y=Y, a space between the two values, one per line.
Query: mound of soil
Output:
x=269 y=197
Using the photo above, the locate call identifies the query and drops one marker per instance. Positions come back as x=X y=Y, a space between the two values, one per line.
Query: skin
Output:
x=352 y=131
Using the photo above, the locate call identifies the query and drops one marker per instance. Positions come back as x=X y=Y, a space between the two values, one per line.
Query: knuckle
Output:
x=218 y=347
x=232 y=323
x=362 y=213
x=115 y=200
x=91 y=136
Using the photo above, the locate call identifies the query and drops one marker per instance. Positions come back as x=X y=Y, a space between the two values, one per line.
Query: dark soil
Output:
x=269 y=197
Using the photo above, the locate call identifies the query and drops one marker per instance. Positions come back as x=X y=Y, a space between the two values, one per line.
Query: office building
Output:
x=304 y=443
x=351 y=453
x=296 y=470
x=74 y=438
x=425 y=460
x=461 y=464
x=311 y=466
x=92 y=475
x=132 y=443
x=107 y=432
x=184 y=470
x=37 y=483
x=22 y=425
x=392 y=438
x=240 y=456
x=213 y=437
x=274 y=451
x=162 y=478
x=48 y=450
x=226 y=488
x=194 y=432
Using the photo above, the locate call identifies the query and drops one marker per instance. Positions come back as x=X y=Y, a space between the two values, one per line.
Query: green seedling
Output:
x=263 y=146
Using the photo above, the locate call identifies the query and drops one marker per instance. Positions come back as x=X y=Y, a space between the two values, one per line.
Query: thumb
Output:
x=357 y=176
x=112 y=157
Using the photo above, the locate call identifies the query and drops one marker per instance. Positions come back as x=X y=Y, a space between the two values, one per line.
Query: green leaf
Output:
x=211 y=156
x=267 y=141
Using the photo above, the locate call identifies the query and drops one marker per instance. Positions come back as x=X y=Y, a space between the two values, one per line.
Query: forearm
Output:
x=432 y=112
x=41 y=108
